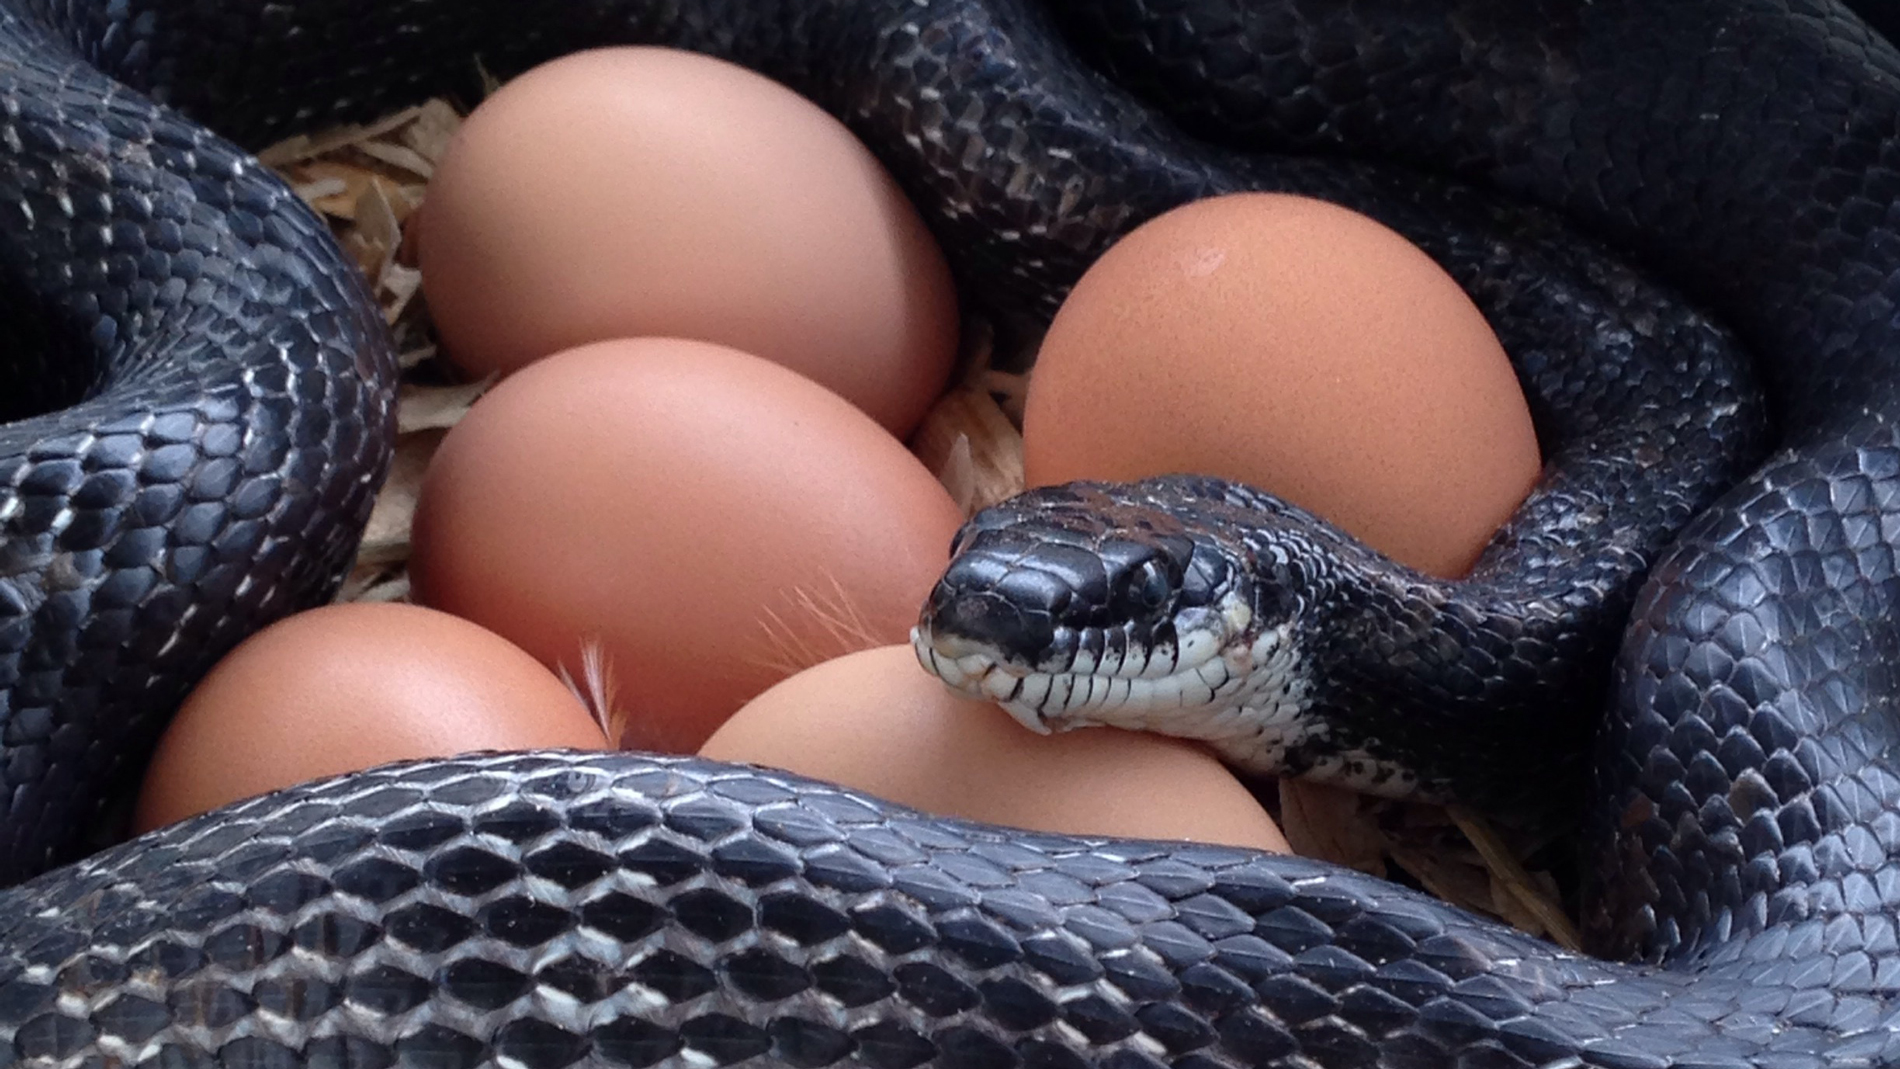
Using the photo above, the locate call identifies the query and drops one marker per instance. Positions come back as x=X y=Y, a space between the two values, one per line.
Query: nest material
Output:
x=368 y=182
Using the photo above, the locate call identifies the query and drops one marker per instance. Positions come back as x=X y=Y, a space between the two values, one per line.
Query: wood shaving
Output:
x=303 y=147
x=400 y=156
x=1010 y=391
x=970 y=438
x=970 y=443
x=425 y=408
x=326 y=194
x=368 y=181
x=410 y=359
x=958 y=475
x=389 y=588
x=401 y=283
x=429 y=134
x=386 y=539
x=378 y=231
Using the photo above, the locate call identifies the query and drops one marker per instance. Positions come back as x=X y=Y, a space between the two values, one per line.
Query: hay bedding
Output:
x=368 y=182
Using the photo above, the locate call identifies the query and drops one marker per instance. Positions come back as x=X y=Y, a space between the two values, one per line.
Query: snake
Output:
x=1679 y=220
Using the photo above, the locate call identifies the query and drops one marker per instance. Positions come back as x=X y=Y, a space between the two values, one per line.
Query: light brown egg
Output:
x=875 y=721
x=713 y=521
x=346 y=687
x=1297 y=346
x=643 y=191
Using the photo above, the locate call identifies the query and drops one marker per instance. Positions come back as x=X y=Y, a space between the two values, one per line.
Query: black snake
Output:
x=200 y=400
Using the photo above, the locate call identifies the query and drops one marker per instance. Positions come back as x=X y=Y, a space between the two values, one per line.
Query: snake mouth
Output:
x=1110 y=676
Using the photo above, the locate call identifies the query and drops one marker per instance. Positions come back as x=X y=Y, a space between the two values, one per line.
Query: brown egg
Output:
x=643 y=191
x=346 y=687
x=714 y=521
x=1297 y=346
x=875 y=721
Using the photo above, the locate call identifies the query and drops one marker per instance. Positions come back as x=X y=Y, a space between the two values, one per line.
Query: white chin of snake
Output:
x=1200 y=674
x=1250 y=700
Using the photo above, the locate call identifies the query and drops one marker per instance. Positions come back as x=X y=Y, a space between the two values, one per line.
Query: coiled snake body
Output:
x=200 y=392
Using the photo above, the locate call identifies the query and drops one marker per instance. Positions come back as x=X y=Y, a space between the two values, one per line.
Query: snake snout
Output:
x=1071 y=604
x=987 y=604
x=1036 y=593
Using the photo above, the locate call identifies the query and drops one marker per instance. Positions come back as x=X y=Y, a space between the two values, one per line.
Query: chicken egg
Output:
x=876 y=721
x=1301 y=348
x=348 y=687
x=710 y=521
x=644 y=191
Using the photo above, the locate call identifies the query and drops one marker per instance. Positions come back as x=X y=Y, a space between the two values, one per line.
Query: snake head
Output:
x=1095 y=603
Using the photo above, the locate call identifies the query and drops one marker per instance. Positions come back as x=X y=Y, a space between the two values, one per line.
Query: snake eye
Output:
x=1149 y=586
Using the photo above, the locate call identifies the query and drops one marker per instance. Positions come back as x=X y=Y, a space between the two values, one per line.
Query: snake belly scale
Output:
x=199 y=392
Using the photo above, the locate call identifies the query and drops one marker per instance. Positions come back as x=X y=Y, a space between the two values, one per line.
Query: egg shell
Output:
x=347 y=687
x=1302 y=348
x=876 y=721
x=645 y=191
x=714 y=521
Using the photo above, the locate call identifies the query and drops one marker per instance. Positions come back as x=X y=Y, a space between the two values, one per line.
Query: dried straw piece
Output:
x=1520 y=891
x=1461 y=885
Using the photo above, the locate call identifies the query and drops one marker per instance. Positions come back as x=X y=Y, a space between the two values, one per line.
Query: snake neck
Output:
x=1388 y=681
x=1470 y=691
